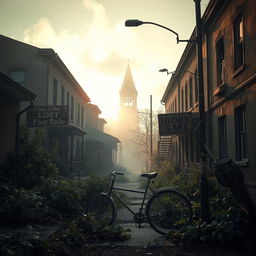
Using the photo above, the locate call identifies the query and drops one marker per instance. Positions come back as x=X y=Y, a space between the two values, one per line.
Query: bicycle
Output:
x=166 y=209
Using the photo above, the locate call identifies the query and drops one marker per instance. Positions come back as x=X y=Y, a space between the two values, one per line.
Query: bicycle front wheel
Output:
x=169 y=210
x=102 y=208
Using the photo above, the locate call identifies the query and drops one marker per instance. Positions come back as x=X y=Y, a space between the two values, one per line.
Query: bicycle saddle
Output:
x=150 y=175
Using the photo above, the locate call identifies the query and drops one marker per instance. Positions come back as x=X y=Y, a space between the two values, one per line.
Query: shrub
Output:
x=32 y=163
x=70 y=197
x=228 y=222
x=20 y=206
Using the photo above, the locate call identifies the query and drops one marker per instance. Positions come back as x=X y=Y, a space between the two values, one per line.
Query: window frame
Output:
x=186 y=97
x=238 y=63
x=220 y=59
x=191 y=98
x=241 y=133
x=55 y=92
x=62 y=95
x=72 y=103
x=223 y=140
x=182 y=100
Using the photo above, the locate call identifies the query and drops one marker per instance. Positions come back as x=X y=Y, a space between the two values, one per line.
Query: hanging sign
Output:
x=48 y=116
x=177 y=123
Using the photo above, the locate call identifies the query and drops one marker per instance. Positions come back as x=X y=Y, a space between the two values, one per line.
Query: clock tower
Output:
x=128 y=122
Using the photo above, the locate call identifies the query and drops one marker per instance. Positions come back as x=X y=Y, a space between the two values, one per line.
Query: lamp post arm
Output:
x=161 y=26
x=136 y=23
x=177 y=35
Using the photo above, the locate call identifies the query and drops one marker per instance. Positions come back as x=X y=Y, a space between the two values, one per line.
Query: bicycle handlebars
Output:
x=114 y=173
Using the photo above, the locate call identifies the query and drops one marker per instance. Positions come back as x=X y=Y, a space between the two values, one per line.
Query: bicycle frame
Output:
x=111 y=193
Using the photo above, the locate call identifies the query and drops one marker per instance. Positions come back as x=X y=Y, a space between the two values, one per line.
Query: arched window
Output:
x=128 y=101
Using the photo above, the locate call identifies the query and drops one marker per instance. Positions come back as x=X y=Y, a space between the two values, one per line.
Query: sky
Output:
x=91 y=39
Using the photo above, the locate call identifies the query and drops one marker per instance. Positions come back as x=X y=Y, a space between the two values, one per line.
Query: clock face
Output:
x=128 y=101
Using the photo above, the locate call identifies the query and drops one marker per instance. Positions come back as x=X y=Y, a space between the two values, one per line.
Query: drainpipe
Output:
x=18 y=126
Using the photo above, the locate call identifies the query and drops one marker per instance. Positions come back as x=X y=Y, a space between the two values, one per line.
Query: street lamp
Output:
x=136 y=23
x=176 y=71
x=167 y=71
x=203 y=176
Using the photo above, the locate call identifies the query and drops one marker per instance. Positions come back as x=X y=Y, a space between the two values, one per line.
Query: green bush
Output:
x=31 y=164
x=20 y=206
x=70 y=197
x=228 y=222
x=52 y=200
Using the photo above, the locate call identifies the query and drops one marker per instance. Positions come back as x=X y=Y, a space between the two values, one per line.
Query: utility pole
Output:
x=204 y=200
x=151 y=130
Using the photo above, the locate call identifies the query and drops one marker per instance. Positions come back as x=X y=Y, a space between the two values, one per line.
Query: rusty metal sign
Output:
x=48 y=116
x=177 y=123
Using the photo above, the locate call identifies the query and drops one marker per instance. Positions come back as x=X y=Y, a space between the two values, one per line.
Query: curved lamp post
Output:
x=204 y=200
x=136 y=23
x=175 y=71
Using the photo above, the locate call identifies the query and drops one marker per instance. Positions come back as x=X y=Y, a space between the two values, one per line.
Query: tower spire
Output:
x=128 y=82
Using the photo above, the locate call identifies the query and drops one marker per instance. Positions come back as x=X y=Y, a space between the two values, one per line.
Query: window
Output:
x=18 y=76
x=186 y=97
x=238 y=42
x=241 y=133
x=78 y=113
x=223 y=148
x=62 y=95
x=72 y=109
x=190 y=93
x=220 y=61
x=55 y=92
x=68 y=101
x=128 y=101
x=182 y=100
x=196 y=87
x=82 y=117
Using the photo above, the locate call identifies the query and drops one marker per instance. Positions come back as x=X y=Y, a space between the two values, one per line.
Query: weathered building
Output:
x=11 y=96
x=100 y=148
x=229 y=44
x=58 y=94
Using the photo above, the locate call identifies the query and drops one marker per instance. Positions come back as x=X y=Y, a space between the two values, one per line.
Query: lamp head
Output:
x=133 y=23
x=163 y=70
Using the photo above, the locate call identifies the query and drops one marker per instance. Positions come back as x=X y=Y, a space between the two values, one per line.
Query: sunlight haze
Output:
x=91 y=39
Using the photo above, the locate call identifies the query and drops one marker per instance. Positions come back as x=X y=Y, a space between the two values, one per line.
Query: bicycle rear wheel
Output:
x=103 y=209
x=169 y=210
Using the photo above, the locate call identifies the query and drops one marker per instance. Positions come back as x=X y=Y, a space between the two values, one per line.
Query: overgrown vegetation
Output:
x=228 y=226
x=33 y=192
x=71 y=237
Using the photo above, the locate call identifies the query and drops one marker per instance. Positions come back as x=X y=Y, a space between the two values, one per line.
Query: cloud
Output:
x=97 y=56
x=41 y=34
x=98 y=10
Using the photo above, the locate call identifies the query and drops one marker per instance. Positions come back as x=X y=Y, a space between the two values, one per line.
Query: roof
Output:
x=11 y=89
x=53 y=56
x=99 y=136
x=128 y=83
x=94 y=108
x=50 y=53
